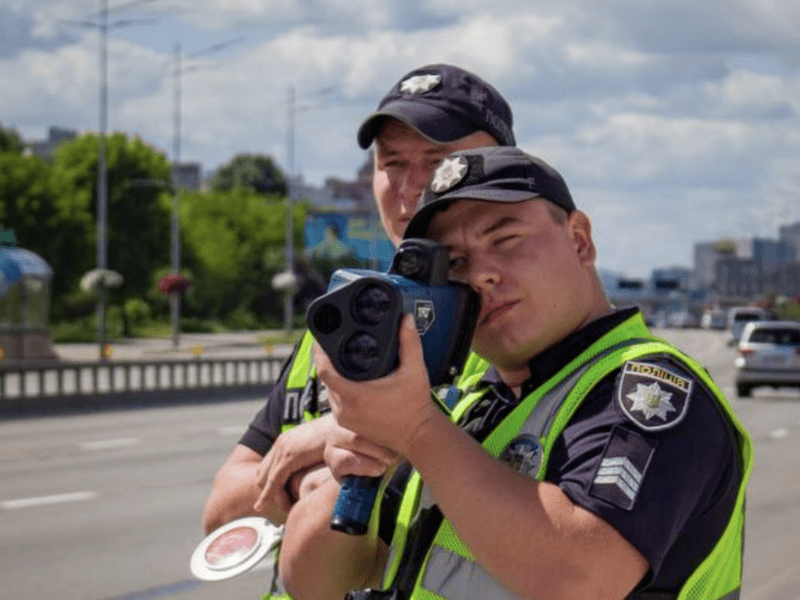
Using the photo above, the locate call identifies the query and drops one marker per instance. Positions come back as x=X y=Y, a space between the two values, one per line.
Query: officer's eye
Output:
x=505 y=239
x=457 y=264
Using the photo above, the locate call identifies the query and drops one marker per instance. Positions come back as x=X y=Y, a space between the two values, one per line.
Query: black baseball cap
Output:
x=443 y=103
x=494 y=174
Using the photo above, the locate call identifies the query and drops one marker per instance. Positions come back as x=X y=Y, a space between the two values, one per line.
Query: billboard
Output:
x=337 y=235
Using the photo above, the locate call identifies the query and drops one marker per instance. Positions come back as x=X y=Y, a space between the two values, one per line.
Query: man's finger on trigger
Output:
x=410 y=344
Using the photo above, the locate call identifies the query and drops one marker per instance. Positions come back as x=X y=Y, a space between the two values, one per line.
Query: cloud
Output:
x=670 y=119
x=20 y=31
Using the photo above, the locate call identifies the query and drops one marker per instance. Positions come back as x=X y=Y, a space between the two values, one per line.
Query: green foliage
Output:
x=195 y=325
x=232 y=239
x=137 y=312
x=31 y=205
x=84 y=329
x=138 y=226
x=234 y=246
x=241 y=319
x=75 y=331
x=789 y=311
x=254 y=172
x=73 y=305
x=26 y=197
x=10 y=141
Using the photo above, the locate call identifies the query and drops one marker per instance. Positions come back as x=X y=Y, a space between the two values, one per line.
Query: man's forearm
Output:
x=317 y=563
x=529 y=535
x=235 y=491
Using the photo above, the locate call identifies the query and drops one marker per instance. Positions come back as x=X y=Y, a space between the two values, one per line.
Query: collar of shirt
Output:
x=549 y=362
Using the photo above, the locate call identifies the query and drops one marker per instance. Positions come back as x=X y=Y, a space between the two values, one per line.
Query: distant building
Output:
x=788 y=279
x=791 y=235
x=672 y=278
x=55 y=137
x=743 y=267
x=769 y=254
x=321 y=197
x=737 y=277
x=706 y=257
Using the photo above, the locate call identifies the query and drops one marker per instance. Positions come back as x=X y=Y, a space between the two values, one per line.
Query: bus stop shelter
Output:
x=25 y=279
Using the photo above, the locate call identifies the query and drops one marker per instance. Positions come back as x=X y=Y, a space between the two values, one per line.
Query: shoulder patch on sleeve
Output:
x=622 y=468
x=652 y=397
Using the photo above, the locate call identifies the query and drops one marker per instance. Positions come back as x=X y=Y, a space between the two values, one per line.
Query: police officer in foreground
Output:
x=592 y=461
x=429 y=113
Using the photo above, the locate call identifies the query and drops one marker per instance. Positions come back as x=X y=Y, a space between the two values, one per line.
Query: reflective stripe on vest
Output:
x=298 y=386
x=298 y=383
x=449 y=570
x=474 y=369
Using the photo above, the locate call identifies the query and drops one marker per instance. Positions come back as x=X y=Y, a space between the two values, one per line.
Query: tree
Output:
x=234 y=246
x=29 y=205
x=138 y=226
x=10 y=140
x=255 y=172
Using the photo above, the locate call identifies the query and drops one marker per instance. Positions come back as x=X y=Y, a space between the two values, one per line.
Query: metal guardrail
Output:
x=44 y=386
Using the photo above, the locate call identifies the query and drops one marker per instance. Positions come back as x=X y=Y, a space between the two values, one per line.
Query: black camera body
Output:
x=356 y=322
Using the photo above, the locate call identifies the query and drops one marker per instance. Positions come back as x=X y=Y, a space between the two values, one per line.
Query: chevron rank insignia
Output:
x=653 y=397
x=622 y=468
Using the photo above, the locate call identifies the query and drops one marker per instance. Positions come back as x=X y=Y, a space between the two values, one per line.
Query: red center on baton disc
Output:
x=232 y=546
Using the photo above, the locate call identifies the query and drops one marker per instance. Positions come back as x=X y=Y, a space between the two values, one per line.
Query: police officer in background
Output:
x=593 y=461
x=431 y=112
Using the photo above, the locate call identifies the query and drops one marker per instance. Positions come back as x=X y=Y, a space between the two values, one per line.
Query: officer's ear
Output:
x=580 y=231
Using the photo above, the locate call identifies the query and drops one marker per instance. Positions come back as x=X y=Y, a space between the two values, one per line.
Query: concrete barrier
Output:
x=29 y=388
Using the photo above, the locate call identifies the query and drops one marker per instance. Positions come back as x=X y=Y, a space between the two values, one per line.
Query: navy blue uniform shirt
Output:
x=669 y=492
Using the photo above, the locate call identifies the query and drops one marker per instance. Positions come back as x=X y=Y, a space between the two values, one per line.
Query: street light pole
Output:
x=177 y=182
x=289 y=283
x=288 y=311
x=175 y=297
x=102 y=170
x=102 y=179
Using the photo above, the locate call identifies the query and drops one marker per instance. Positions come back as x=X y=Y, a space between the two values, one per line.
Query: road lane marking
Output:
x=46 y=500
x=777 y=434
x=232 y=430
x=106 y=444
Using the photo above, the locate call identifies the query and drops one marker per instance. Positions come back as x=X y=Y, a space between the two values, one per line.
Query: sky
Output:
x=673 y=122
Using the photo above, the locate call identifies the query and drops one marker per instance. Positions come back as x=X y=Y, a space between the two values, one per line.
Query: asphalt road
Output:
x=107 y=506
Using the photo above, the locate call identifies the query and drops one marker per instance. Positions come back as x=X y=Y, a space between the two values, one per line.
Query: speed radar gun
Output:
x=357 y=322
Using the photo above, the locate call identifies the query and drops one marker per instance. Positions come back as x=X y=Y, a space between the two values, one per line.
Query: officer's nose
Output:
x=484 y=273
x=412 y=186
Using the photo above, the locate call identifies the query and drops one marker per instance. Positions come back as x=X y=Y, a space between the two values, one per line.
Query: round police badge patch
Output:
x=524 y=455
x=653 y=397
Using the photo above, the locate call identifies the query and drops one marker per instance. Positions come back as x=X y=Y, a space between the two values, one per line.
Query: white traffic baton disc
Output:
x=234 y=548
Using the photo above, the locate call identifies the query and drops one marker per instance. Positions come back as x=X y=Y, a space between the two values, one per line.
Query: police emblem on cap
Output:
x=524 y=455
x=449 y=173
x=653 y=397
x=419 y=84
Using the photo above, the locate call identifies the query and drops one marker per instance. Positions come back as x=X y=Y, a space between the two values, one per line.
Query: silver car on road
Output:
x=769 y=355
